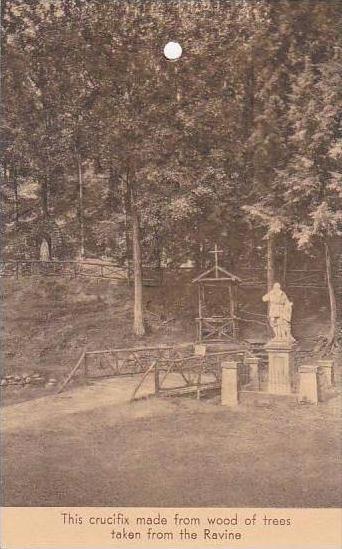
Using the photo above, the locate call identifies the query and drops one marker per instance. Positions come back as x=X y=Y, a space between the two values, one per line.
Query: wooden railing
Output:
x=194 y=374
x=86 y=269
x=167 y=363
x=251 y=278
x=216 y=328
x=293 y=278
x=121 y=361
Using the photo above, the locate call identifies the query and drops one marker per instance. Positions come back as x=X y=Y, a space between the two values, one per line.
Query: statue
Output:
x=279 y=314
x=44 y=251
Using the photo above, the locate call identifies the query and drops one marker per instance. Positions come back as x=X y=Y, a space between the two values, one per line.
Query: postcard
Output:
x=171 y=274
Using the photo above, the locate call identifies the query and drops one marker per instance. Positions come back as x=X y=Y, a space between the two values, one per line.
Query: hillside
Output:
x=48 y=322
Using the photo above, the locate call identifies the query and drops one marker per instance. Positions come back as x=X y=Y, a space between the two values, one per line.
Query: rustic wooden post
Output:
x=199 y=301
x=199 y=382
x=199 y=329
x=231 y=300
x=232 y=306
x=236 y=308
x=85 y=366
x=72 y=373
x=117 y=363
x=156 y=379
x=146 y=374
x=229 y=388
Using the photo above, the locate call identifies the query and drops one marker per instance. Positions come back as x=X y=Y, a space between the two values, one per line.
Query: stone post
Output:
x=200 y=349
x=253 y=364
x=229 y=387
x=280 y=367
x=327 y=367
x=308 y=390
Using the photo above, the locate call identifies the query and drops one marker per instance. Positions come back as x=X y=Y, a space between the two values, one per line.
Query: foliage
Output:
x=241 y=132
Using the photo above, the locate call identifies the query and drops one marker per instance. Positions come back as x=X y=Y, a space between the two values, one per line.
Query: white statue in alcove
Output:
x=44 y=251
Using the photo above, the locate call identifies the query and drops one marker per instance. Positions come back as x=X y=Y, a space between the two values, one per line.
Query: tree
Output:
x=311 y=180
x=285 y=111
x=173 y=156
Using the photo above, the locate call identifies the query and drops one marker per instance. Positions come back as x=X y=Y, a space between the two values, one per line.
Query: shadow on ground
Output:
x=175 y=452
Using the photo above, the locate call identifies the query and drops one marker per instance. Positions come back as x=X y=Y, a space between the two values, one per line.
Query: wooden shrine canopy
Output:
x=215 y=325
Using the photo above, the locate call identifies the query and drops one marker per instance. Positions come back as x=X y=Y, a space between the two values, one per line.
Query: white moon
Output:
x=173 y=51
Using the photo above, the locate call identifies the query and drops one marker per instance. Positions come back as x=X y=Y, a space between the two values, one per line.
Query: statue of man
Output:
x=279 y=313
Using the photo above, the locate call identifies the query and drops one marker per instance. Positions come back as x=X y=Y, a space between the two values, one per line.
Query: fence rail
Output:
x=177 y=369
x=193 y=374
x=121 y=361
x=251 y=277
x=87 y=269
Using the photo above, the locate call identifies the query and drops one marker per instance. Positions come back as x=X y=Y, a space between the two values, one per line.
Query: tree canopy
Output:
x=240 y=136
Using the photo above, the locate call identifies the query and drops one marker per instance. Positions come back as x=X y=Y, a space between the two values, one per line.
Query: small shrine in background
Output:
x=44 y=251
x=217 y=303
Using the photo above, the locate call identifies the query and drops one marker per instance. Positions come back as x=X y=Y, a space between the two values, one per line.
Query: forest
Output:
x=147 y=161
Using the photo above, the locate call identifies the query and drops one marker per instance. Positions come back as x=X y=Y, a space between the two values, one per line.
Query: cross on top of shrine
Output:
x=216 y=252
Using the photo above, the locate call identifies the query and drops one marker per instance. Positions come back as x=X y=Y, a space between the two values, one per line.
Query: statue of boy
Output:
x=279 y=313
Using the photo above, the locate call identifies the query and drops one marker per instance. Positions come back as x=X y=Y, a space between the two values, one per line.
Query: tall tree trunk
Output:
x=45 y=196
x=249 y=100
x=80 y=205
x=332 y=297
x=198 y=255
x=16 y=195
x=126 y=203
x=3 y=9
x=248 y=121
x=158 y=256
x=138 y=327
x=270 y=262
x=285 y=262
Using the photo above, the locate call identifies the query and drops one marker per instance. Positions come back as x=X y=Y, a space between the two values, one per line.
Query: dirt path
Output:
x=90 y=446
x=98 y=394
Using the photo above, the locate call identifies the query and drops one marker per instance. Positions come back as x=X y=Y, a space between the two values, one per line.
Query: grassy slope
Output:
x=49 y=321
x=176 y=452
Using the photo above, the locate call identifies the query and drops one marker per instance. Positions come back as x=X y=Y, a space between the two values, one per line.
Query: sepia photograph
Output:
x=171 y=260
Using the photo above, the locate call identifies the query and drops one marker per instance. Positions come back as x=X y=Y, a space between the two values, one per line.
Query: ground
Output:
x=169 y=452
x=90 y=446
x=48 y=322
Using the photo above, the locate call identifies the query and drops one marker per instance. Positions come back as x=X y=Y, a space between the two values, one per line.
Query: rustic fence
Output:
x=69 y=269
x=176 y=369
x=121 y=361
x=295 y=278
x=251 y=277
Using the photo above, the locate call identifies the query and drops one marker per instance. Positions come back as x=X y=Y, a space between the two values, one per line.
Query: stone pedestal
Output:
x=229 y=388
x=326 y=367
x=308 y=390
x=253 y=364
x=280 y=367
